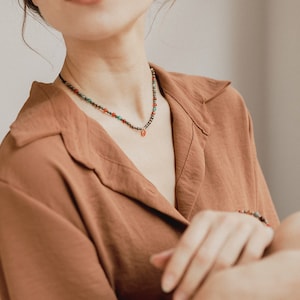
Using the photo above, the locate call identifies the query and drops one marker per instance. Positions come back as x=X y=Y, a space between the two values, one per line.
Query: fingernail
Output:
x=151 y=259
x=168 y=283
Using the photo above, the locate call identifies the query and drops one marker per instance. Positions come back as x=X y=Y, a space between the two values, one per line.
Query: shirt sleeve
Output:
x=264 y=204
x=43 y=256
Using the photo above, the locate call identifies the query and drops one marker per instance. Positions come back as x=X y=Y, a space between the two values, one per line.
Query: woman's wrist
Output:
x=256 y=215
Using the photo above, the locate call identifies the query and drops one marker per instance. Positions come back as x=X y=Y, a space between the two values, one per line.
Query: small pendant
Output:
x=143 y=132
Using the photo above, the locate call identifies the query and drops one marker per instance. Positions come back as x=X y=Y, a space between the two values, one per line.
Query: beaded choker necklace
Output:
x=143 y=130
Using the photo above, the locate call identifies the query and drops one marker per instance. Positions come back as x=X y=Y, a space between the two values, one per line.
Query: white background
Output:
x=253 y=43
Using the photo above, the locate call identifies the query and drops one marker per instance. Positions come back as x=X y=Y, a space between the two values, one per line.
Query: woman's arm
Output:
x=43 y=255
x=287 y=235
x=275 y=277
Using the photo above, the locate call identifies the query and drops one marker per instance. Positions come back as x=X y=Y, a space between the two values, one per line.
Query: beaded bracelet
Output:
x=255 y=214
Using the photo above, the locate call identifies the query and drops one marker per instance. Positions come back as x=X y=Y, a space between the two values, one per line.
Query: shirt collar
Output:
x=49 y=111
x=191 y=92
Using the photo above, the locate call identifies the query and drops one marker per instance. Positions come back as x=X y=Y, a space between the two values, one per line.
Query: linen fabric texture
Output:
x=79 y=221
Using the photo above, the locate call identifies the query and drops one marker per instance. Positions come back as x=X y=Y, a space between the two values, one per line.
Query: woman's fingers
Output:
x=161 y=259
x=233 y=247
x=221 y=249
x=185 y=250
x=213 y=241
x=257 y=244
x=203 y=260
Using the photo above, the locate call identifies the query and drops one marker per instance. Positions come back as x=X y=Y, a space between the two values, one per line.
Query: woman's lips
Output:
x=83 y=1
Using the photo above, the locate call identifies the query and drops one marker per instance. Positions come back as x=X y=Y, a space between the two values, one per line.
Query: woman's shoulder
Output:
x=204 y=98
x=33 y=151
x=197 y=89
x=30 y=166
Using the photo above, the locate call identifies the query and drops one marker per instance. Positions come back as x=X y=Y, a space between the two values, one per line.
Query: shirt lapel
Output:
x=187 y=96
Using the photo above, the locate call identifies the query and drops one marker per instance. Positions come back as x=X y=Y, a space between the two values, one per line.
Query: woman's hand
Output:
x=274 y=277
x=213 y=241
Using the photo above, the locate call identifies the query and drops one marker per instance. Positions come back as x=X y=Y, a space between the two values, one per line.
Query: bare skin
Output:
x=275 y=277
x=214 y=241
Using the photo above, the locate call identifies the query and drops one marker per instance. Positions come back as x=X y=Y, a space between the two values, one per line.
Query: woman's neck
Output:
x=114 y=73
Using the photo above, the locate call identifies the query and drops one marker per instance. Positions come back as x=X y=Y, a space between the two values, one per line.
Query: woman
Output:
x=123 y=181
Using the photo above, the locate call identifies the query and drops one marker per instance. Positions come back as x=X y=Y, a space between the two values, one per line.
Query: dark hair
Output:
x=28 y=4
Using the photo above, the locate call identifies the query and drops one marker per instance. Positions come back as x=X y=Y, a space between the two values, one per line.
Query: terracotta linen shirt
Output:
x=79 y=221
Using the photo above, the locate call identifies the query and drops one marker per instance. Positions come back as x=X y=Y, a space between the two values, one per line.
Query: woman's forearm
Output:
x=287 y=235
x=275 y=277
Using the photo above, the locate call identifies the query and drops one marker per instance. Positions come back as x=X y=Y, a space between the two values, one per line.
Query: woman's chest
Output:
x=153 y=154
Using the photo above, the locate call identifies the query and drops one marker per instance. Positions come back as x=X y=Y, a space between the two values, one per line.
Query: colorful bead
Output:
x=255 y=214
x=143 y=132
x=114 y=115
